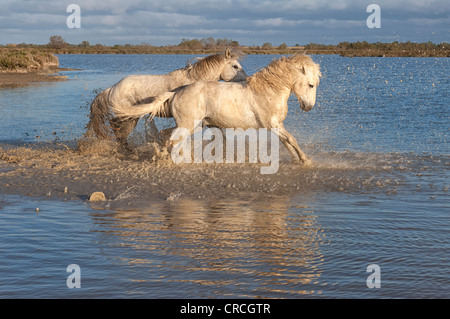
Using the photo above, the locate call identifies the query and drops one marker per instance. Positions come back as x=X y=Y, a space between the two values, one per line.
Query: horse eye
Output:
x=311 y=86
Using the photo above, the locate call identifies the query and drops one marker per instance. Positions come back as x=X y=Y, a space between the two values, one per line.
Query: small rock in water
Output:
x=173 y=197
x=97 y=197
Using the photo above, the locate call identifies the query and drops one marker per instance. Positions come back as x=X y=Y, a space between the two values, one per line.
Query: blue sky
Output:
x=251 y=22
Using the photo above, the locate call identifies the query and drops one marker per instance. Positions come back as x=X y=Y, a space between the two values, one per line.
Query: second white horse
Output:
x=134 y=90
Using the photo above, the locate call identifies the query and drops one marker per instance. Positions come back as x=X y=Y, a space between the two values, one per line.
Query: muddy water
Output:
x=376 y=193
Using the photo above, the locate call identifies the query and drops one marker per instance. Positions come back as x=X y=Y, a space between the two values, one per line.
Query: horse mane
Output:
x=207 y=66
x=278 y=74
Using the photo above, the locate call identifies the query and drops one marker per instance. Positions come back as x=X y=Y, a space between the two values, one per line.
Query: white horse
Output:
x=259 y=102
x=137 y=89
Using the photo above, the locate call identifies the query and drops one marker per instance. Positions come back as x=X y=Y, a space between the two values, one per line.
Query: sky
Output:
x=250 y=22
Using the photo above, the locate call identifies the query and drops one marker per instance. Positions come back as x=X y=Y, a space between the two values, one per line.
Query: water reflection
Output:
x=259 y=248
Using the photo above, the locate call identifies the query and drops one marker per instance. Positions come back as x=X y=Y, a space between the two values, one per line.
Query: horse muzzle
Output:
x=240 y=76
x=305 y=106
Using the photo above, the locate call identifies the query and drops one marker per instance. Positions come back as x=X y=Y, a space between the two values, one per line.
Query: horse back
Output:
x=135 y=88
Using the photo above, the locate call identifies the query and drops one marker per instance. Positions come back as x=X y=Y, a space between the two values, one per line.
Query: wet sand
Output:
x=16 y=79
x=132 y=178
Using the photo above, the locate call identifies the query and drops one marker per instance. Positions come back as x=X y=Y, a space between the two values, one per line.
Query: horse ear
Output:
x=228 y=53
x=303 y=69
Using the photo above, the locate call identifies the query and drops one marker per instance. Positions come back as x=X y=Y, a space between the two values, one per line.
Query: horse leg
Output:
x=151 y=131
x=123 y=128
x=180 y=142
x=291 y=144
x=165 y=135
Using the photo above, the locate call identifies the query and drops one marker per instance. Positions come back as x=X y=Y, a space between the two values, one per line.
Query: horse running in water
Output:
x=259 y=102
x=134 y=90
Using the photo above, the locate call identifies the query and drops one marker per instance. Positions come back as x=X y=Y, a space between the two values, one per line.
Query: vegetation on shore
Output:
x=26 y=59
x=29 y=57
x=379 y=49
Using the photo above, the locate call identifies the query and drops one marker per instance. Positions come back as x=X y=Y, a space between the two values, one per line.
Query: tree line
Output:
x=59 y=45
x=364 y=48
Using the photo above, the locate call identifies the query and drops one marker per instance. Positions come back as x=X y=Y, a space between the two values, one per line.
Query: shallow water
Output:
x=377 y=194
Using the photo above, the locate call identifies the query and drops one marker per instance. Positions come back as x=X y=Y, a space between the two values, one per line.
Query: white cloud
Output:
x=248 y=21
x=273 y=22
x=171 y=20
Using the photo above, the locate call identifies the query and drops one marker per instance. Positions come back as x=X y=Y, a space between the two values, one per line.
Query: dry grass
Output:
x=25 y=60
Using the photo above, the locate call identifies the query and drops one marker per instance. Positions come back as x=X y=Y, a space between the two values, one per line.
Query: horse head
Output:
x=306 y=83
x=221 y=66
x=232 y=70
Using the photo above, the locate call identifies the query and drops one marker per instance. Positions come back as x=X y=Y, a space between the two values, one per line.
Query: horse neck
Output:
x=210 y=78
x=179 y=78
x=270 y=98
x=270 y=86
x=202 y=73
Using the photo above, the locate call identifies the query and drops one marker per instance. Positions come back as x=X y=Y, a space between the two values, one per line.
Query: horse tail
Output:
x=100 y=115
x=158 y=107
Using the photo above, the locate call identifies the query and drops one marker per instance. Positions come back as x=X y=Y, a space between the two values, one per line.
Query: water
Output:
x=378 y=135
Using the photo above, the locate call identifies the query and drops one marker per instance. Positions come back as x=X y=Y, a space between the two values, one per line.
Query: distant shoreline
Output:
x=256 y=51
x=20 y=78
x=195 y=46
x=28 y=63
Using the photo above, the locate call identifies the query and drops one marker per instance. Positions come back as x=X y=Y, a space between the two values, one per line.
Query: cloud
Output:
x=272 y=22
x=163 y=22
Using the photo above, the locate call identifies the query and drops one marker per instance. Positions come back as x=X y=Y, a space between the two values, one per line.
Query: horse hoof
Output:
x=307 y=163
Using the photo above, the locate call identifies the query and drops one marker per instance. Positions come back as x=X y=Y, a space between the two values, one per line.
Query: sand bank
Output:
x=132 y=178
x=15 y=79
